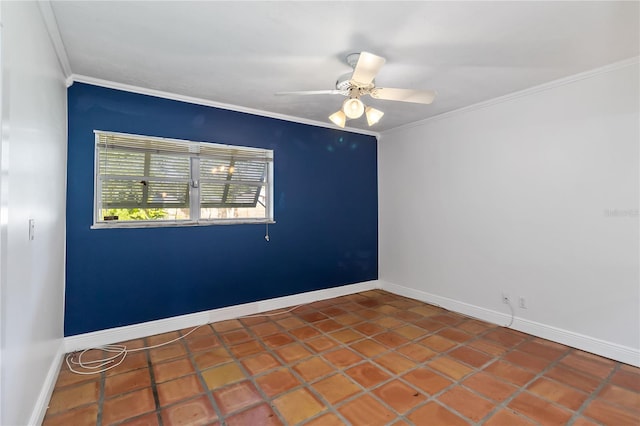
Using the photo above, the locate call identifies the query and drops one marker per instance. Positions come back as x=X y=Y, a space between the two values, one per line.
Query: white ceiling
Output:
x=241 y=53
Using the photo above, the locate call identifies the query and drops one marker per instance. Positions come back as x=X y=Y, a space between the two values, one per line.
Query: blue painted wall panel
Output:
x=325 y=184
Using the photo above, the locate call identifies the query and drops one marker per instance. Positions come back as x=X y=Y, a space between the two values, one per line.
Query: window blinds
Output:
x=149 y=172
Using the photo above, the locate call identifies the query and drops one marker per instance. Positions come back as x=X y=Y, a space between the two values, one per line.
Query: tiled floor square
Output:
x=365 y=410
x=342 y=358
x=336 y=388
x=196 y=412
x=127 y=405
x=427 y=380
x=179 y=389
x=625 y=398
x=223 y=375
x=277 y=340
x=557 y=392
x=609 y=414
x=149 y=419
x=346 y=336
x=84 y=416
x=390 y=339
x=415 y=352
x=470 y=356
x=509 y=372
x=242 y=350
x=265 y=329
x=74 y=396
x=369 y=348
x=261 y=415
x=328 y=419
x=467 y=403
x=126 y=382
x=368 y=328
x=433 y=413
x=202 y=343
x=236 y=397
x=321 y=344
x=133 y=361
x=172 y=369
x=304 y=333
x=313 y=368
x=395 y=362
x=489 y=386
x=361 y=359
x=164 y=353
x=297 y=406
x=367 y=374
x=508 y=417
x=260 y=363
x=399 y=396
x=211 y=358
x=450 y=367
x=293 y=353
x=277 y=382
x=539 y=410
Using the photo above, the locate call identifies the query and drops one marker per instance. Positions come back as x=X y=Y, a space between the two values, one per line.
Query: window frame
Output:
x=194 y=199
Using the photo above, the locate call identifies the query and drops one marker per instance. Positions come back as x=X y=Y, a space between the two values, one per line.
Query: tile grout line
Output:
x=604 y=382
x=208 y=392
x=101 y=397
x=154 y=389
x=375 y=310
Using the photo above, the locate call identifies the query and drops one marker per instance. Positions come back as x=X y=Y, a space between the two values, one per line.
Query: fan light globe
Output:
x=373 y=115
x=353 y=108
x=338 y=118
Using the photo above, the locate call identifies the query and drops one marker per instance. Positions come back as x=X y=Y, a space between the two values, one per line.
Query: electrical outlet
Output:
x=505 y=298
x=522 y=302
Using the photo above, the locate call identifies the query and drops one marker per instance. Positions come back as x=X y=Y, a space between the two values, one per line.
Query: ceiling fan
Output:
x=360 y=83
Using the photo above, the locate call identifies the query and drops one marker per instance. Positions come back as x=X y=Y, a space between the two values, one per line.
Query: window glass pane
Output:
x=121 y=163
x=150 y=179
x=255 y=210
x=168 y=166
x=134 y=214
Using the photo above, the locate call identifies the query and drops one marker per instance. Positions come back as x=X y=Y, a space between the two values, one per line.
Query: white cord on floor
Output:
x=121 y=351
x=113 y=361
x=512 y=314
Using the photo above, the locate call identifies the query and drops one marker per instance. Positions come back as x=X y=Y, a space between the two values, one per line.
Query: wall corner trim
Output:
x=56 y=39
x=42 y=403
x=600 y=347
x=206 y=102
x=521 y=93
x=136 y=331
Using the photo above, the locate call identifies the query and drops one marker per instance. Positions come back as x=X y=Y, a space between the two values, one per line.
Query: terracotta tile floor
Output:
x=371 y=358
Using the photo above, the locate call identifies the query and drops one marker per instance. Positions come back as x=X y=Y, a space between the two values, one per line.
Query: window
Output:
x=149 y=181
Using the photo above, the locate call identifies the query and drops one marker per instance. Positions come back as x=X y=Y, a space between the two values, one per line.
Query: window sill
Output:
x=175 y=224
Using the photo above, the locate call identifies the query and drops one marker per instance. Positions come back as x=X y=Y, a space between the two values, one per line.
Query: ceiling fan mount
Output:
x=361 y=82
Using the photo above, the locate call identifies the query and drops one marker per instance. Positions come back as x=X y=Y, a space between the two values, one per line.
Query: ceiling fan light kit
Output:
x=373 y=115
x=362 y=82
x=338 y=118
x=353 y=108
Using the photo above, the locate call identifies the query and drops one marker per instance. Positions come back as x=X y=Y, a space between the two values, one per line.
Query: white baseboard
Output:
x=42 y=403
x=136 y=331
x=600 y=347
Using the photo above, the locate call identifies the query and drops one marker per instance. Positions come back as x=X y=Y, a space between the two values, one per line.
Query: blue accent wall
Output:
x=326 y=209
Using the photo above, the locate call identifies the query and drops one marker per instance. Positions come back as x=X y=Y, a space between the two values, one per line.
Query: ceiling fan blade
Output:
x=404 y=95
x=367 y=68
x=314 y=92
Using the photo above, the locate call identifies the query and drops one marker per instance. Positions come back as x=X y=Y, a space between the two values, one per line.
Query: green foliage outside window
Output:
x=136 y=214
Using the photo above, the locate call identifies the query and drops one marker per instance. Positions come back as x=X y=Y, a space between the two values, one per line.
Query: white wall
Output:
x=33 y=159
x=514 y=197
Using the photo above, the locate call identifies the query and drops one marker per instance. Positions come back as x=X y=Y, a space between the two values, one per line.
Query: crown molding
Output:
x=51 y=23
x=206 y=102
x=521 y=93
